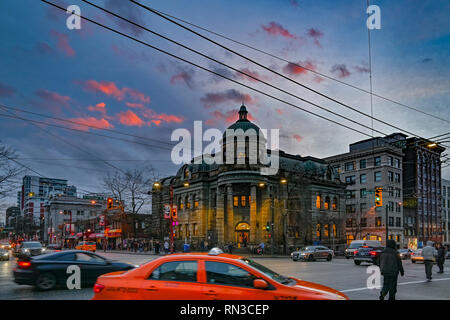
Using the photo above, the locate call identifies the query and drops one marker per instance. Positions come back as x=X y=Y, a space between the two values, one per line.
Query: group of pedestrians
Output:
x=391 y=265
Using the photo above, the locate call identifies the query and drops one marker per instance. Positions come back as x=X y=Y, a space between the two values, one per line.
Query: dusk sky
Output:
x=96 y=77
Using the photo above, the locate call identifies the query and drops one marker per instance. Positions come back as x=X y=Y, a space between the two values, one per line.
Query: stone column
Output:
x=220 y=217
x=253 y=214
x=265 y=215
x=230 y=214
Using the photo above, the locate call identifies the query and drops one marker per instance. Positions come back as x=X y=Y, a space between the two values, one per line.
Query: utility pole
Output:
x=272 y=223
x=387 y=224
x=171 y=219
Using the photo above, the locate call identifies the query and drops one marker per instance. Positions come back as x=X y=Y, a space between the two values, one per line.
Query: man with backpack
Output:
x=390 y=267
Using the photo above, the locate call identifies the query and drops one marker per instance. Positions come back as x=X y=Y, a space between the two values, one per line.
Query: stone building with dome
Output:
x=236 y=203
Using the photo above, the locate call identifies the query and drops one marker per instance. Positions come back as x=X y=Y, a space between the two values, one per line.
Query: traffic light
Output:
x=174 y=213
x=109 y=204
x=268 y=226
x=378 y=197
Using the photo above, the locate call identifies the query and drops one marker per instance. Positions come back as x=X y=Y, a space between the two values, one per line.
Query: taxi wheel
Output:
x=329 y=258
x=357 y=263
x=46 y=281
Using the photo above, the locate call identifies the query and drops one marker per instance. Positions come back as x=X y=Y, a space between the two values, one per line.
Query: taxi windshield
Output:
x=271 y=274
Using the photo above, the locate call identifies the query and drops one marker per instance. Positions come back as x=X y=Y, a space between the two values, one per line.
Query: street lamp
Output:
x=186 y=184
x=156 y=185
x=261 y=184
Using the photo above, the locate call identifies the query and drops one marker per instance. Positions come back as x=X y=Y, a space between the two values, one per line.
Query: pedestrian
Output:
x=390 y=266
x=166 y=247
x=245 y=241
x=441 y=258
x=230 y=247
x=202 y=245
x=429 y=257
x=157 y=247
x=206 y=245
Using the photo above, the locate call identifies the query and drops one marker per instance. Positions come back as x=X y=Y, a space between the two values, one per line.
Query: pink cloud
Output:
x=129 y=118
x=135 y=105
x=90 y=121
x=109 y=88
x=341 y=70
x=152 y=115
x=230 y=96
x=275 y=29
x=63 y=43
x=227 y=117
x=183 y=77
x=99 y=107
x=294 y=69
x=316 y=35
x=53 y=97
x=297 y=137
x=252 y=73
x=279 y=111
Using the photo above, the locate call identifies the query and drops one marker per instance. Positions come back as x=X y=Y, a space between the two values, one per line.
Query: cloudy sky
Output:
x=93 y=76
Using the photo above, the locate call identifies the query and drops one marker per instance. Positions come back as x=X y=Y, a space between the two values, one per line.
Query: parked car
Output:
x=50 y=270
x=312 y=253
x=447 y=255
x=87 y=246
x=369 y=253
x=29 y=248
x=405 y=253
x=356 y=244
x=207 y=276
x=4 y=255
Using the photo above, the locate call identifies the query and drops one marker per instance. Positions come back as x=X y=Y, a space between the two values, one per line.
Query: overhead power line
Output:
x=208 y=70
x=299 y=65
x=269 y=69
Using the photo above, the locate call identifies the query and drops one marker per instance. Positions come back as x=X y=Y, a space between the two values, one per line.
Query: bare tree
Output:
x=9 y=169
x=131 y=186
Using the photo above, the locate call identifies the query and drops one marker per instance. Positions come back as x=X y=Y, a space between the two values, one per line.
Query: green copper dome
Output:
x=243 y=123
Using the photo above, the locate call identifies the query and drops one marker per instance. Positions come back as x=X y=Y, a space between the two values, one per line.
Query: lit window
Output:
x=327 y=203
x=334 y=230
x=235 y=201
x=243 y=201
x=318 y=202
x=195 y=204
x=325 y=231
x=334 y=205
x=318 y=230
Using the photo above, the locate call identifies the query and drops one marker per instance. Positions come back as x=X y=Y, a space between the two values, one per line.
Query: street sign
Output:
x=166 y=211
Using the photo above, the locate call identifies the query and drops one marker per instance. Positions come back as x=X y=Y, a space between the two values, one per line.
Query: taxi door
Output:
x=173 y=280
x=226 y=281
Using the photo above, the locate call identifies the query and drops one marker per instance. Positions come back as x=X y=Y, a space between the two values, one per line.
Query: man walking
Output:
x=429 y=256
x=441 y=258
x=390 y=267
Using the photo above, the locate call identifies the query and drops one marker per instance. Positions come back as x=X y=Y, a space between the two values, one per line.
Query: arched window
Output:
x=195 y=200
x=318 y=201
x=319 y=231
x=335 y=204
x=326 y=230
x=186 y=173
x=327 y=203
x=334 y=230
x=188 y=204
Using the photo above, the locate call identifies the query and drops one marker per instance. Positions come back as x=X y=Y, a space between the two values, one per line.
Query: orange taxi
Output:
x=207 y=276
x=86 y=246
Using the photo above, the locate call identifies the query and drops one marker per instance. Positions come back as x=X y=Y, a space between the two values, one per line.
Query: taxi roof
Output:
x=205 y=254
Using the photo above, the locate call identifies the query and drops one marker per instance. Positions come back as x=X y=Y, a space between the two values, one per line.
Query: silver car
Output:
x=312 y=253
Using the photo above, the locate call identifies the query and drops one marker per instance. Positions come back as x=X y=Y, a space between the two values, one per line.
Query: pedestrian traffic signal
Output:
x=174 y=213
x=109 y=204
x=378 y=197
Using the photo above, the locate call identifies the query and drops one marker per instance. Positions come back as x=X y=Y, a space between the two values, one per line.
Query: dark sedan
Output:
x=369 y=254
x=50 y=270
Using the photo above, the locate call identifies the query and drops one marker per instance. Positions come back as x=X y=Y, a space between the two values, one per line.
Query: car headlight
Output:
x=26 y=250
x=6 y=254
x=43 y=249
x=302 y=254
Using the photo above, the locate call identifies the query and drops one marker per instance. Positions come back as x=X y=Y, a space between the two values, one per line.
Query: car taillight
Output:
x=355 y=252
x=372 y=253
x=98 y=288
x=24 y=264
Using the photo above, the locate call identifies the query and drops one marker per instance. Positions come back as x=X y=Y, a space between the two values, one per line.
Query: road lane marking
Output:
x=399 y=284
